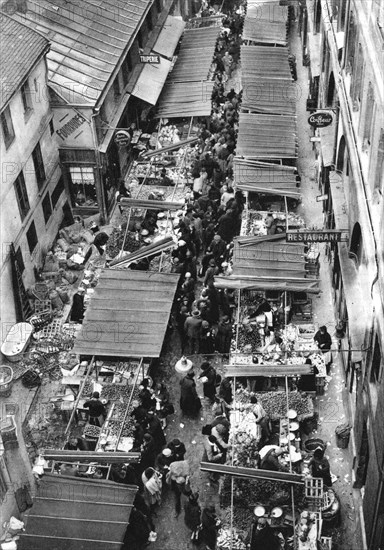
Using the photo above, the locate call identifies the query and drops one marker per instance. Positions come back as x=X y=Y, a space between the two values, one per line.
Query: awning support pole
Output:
x=79 y=394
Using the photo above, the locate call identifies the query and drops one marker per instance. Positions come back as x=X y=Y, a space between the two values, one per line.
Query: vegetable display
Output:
x=275 y=403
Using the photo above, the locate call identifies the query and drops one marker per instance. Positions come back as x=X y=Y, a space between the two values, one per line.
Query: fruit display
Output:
x=242 y=518
x=92 y=431
x=168 y=135
x=228 y=539
x=116 y=240
x=275 y=403
x=248 y=336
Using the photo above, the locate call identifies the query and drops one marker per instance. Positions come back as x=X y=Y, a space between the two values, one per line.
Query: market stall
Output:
x=271 y=137
x=71 y=513
x=266 y=22
x=266 y=62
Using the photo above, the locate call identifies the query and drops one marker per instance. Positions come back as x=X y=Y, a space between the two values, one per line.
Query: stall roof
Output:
x=267 y=136
x=268 y=262
x=151 y=81
x=128 y=314
x=266 y=23
x=87 y=40
x=259 y=177
x=268 y=95
x=71 y=513
x=169 y=36
x=266 y=62
x=185 y=99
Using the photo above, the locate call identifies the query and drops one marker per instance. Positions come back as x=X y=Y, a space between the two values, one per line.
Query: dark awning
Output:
x=266 y=62
x=71 y=513
x=267 y=136
x=259 y=177
x=128 y=314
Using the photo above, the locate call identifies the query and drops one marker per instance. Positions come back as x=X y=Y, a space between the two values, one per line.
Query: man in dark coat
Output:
x=155 y=430
x=208 y=377
x=227 y=226
x=224 y=335
x=189 y=400
x=263 y=537
x=192 y=327
x=192 y=512
x=96 y=408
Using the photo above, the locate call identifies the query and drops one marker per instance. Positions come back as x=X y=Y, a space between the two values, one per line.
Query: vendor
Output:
x=97 y=248
x=271 y=459
x=97 y=412
x=263 y=536
x=307 y=382
x=164 y=179
x=270 y=224
x=261 y=418
x=78 y=308
x=76 y=444
x=319 y=466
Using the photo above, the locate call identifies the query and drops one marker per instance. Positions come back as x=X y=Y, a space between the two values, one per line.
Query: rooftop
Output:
x=87 y=40
x=20 y=48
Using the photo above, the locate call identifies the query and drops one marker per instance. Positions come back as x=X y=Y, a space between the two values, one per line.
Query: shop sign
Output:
x=72 y=127
x=152 y=58
x=326 y=236
x=122 y=138
x=320 y=120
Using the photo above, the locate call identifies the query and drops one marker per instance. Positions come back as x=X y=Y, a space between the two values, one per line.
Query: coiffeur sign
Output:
x=320 y=120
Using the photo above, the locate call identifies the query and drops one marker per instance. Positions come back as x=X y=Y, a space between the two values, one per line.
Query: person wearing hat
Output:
x=211 y=272
x=178 y=479
x=97 y=412
x=319 y=466
x=178 y=450
x=224 y=335
x=189 y=400
x=271 y=460
x=155 y=430
x=263 y=536
x=163 y=462
x=324 y=342
x=192 y=327
x=207 y=339
x=208 y=377
x=152 y=482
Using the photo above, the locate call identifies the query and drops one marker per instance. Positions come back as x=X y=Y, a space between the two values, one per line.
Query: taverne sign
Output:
x=319 y=236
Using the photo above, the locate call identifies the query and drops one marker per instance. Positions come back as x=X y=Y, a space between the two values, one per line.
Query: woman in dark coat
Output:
x=189 y=400
x=209 y=530
x=138 y=530
x=155 y=430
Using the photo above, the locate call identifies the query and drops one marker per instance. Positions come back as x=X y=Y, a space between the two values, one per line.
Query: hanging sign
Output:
x=325 y=236
x=152 y=58
x=320 y=120
x=320 y=198
x=122 y=138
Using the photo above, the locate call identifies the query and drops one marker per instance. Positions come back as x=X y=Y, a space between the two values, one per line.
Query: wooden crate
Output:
x=314 y=490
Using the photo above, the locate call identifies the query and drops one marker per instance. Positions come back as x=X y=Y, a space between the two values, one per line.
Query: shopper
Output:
x=178 y=479
x=178 y=450
x=192 y=327
x=152 y=487
x=155 y=430
x=261 y=418
x=189 y=400
x=209 y=523
x=208 y=377
x=263 y=537
x=192 y=513
x=319 y=466
x=224 y=336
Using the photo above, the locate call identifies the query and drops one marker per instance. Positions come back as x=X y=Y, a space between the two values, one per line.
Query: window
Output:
x=351 y=44
x=39 y=166
x=129 y=62
x=368 y=118
x=32 y=237
x=83 y=185
x=19 y=260
x=57 y=191
x=21 y=195
x=356 y=247
x=125 y=72
x=357 y=80
x=379 y=172
x=7 y=127
x=158 y=6
x=116 y=87
x=51 y=127
x=47 y=208
x=26 y=97
x=376 y=362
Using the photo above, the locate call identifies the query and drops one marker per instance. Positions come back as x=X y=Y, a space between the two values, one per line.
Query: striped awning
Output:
x=266 y=23
x=266 y=62
x=265 y=178
x=267 y=136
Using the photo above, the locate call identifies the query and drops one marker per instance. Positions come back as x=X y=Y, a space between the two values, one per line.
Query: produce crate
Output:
x=40 y=291
x=314 y=490
x=50 y=331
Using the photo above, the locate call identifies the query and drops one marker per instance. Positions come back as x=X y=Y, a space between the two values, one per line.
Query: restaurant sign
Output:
x=122 y=138
x=326 y=236
x=320 y=120
x=152 y=58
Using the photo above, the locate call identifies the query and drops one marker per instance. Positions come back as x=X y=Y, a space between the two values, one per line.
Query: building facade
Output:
x=33 y=200
x=343 y=44
x=98 y=85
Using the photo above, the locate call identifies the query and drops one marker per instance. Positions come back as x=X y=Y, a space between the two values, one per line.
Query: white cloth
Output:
x=266 y=450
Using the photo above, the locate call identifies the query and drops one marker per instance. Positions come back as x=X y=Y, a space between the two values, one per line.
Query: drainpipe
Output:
x=99 y=178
